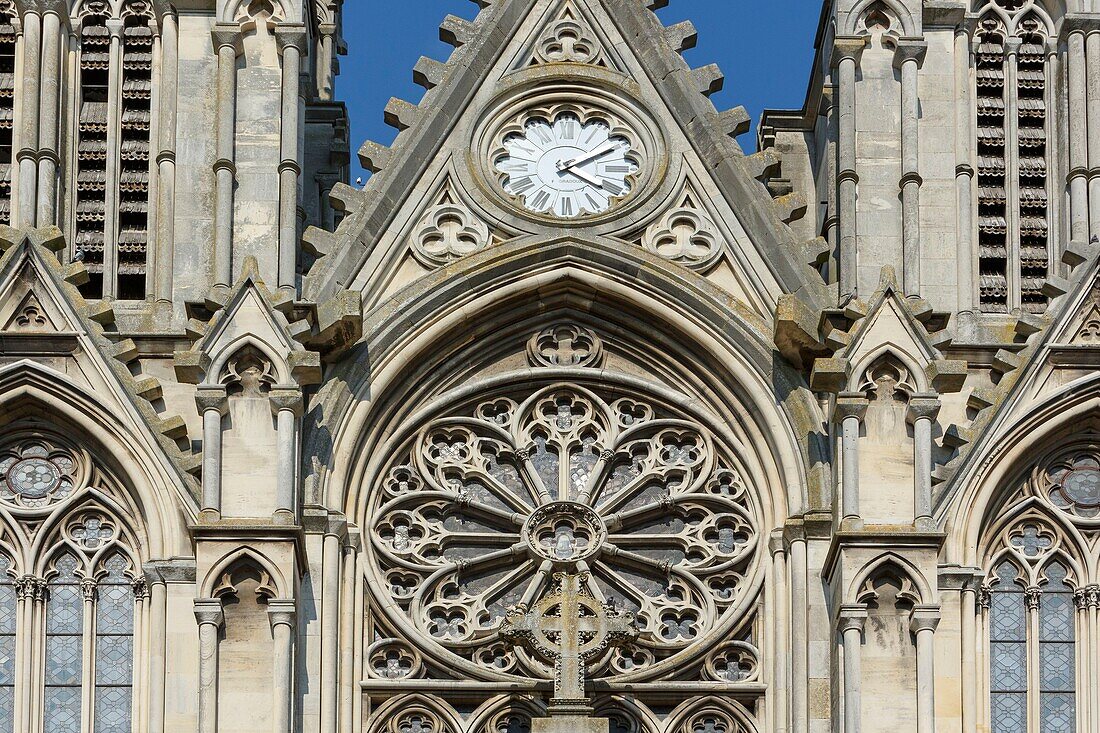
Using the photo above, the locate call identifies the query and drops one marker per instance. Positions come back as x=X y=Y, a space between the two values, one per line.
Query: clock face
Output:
x=567 y=168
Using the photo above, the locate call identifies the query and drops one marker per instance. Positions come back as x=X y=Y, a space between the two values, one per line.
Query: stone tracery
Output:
x=487 y=501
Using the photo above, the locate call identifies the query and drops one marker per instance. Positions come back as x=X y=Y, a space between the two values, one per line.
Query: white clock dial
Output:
x=568 y=168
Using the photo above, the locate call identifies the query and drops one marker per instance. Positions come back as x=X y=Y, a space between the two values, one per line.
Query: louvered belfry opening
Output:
x=7 y=112
x=992 y=169
x=1031 y=87
x=1013 y=198
x=133 y=181
x=91 y=175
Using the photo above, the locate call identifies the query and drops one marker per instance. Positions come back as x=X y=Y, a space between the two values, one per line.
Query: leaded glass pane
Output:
x=1009 y=712
x=64 y=649
x=1056 y=712
x=112 y=710
x=1008 y=666
x=114 y=649
x=7 y=648
x=1056 y=667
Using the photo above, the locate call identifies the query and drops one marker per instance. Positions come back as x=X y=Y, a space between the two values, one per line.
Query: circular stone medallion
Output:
x=564 y=531
x=33 y=478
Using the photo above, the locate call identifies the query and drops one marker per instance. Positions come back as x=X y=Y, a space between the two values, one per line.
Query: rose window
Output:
x=1072 y=484
x=482 y=507
x=36 y=473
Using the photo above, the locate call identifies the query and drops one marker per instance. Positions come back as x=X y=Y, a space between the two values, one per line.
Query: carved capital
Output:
x=211 y=398
x=141 y=589
x=924 y=618
x=923 y=408
x=910 y=49
x=286 y=399
x=89 y=589
x=850 y=404
x=848 y=47
x=281 y=611
x=226 y=35
x=291 y=36
x=851 y=616
x=208 y=611
x=30 y=587
x=1032 y=594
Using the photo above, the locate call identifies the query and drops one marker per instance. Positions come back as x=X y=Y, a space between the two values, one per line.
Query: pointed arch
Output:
x=31 y=393
x=896 y=567
x=389 y=715
x=683 y=718
x=221 y=358
x=887 y=351
x=242 y=556
x=856 y=15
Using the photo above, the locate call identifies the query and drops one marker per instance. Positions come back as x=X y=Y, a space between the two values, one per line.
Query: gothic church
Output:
x=574 y=417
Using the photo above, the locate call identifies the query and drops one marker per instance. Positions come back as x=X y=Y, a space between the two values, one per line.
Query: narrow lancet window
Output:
x=64 y=649
x=114 y=649
x=91 y=166
x=8 y=36
x=8 y=604
x=133 y=183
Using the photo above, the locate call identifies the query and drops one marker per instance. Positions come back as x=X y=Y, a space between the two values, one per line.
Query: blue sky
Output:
x=765 y=48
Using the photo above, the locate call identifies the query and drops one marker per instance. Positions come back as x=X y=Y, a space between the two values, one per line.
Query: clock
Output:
x=568 y=167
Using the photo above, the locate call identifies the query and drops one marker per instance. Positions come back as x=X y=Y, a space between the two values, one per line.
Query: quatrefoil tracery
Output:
x=486 y=504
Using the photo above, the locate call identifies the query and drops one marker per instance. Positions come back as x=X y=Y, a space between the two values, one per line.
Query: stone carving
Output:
x=568 y=39
x=566 y=345
x=391 y=659
x=91 y=532
x=569 y=628
x=734 y=661
x=447 y=232
x=1070 y=481
x=641 y=504
x=30 y=317
x=39 y=471
x=685 y=236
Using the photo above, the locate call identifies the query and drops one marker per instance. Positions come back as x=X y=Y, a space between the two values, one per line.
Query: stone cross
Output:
x=568 y=628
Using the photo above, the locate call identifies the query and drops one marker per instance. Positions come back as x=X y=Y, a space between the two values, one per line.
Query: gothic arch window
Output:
x=565 y=487
x=1013 y=130
x=8 y=37
x=1039 y=591
x=8 y=612
x=113 y=161
x=78 y=602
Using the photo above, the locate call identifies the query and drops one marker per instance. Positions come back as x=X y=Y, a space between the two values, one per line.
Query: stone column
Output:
x=850 y=409
x=212 y=403
x=1077 y=92
x=166 y=158
x=158 y=614
x=89 y=591
x=968 y=639
x=846 y=55
x=922 y=622
x=281 y=614
x=291 y=40
x=780 y=613
x=1012 y=178
x=110 y=206
x=226 y=38
x=965 y=252
x=1092 y=61
x=908 y=57
x=850 y=624
x=287 y=406
x=209 y=614
x=27 y=155
x=49 y=110
x=922 y=413
x=330 y=629
x=800 y=702
x=325 y=183
x=30 y=592
x=325 y=78
x=348 y=679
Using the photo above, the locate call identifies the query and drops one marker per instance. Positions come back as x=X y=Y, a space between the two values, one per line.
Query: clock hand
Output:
x=586 y=177
x=607 y=147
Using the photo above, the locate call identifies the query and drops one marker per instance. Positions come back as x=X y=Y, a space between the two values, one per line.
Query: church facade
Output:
x=576 y=416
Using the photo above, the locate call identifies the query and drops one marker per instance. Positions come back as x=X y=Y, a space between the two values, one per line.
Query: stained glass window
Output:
x=64 y=649
x=1008 y=653
x=1056 y=653
x=114 y=649
x=7 y=648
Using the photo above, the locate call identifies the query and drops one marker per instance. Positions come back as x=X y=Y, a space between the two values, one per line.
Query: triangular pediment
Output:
x=680 y=168
x=49 y=325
